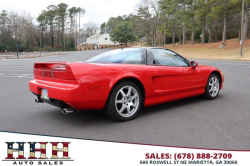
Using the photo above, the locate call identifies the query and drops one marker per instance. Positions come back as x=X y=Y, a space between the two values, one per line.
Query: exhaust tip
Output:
x=38 y=101
x=68 y=110
x=64 y=111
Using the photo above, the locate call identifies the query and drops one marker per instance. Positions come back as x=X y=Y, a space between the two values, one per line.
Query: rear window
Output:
x=127 y=56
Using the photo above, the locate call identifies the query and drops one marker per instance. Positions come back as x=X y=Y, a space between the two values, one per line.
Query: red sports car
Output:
x=123 y=81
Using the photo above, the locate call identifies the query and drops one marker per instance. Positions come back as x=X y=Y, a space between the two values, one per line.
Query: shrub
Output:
x=21 y=48
x=89 y=48
x=84 y=48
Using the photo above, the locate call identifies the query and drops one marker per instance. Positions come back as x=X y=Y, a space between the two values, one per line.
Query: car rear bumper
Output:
x=63 y=95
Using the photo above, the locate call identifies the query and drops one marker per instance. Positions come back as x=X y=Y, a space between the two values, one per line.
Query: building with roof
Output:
x=102 y=39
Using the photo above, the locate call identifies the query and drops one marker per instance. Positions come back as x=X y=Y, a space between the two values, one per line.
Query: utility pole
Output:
x=76 y=34
x=41 y=42
x=242 y=22
x=41 y=32
x=164 y=32
x=54 y=42
x=16 y=40
x=40 y=39
x=16 y=36
x=16 y=44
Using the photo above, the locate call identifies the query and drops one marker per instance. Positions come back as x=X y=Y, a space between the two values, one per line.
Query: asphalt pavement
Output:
x=21 y=54
x=223 y=123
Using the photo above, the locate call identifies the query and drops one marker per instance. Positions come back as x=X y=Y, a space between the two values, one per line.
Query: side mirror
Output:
x=194 y=64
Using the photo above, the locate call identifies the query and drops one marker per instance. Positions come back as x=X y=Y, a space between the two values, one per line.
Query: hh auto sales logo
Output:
x=33 y=158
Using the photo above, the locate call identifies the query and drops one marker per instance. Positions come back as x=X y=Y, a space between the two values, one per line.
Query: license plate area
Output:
x=44 y=94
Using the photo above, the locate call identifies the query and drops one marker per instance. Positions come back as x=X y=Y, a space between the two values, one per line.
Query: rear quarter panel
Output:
x=97 y=80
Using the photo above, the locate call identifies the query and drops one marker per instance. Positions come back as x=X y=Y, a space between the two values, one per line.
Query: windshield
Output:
x=128 y=56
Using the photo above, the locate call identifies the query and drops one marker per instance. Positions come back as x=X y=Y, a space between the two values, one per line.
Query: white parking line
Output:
x=23 y=75
x=13 y=77
x=15 y=70
x=15 y=66
x=8 y=77
x=9 y=74
x=3 y=75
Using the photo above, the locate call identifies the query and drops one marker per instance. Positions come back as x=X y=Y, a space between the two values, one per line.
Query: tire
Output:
x=124 y=102
x=212 y=89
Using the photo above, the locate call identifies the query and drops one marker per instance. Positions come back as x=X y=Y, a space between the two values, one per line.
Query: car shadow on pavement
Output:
x=97 y=117
x=86 y=123
x=171 y=105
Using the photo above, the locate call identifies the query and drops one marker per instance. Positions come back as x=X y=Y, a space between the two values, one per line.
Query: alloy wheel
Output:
x=214 y=86
x=127 y=101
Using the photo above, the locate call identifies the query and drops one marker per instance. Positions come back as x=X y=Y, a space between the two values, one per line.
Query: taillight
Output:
x=57 y=71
